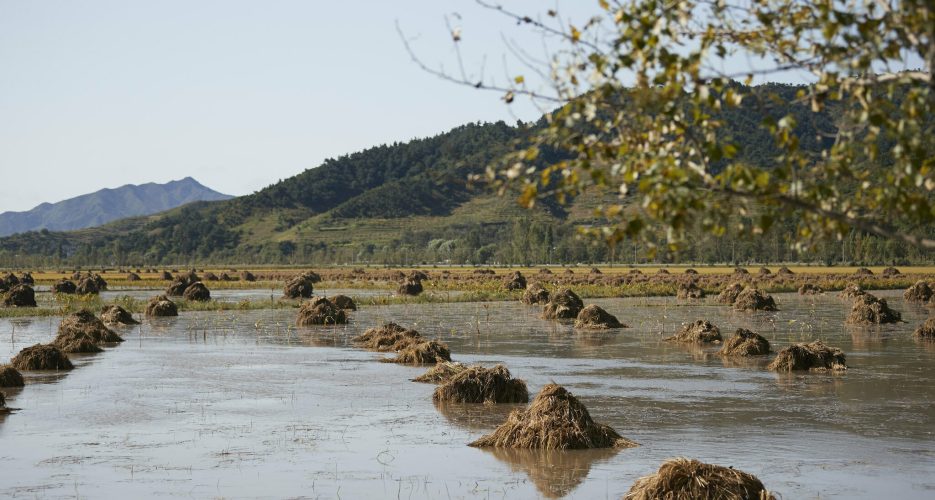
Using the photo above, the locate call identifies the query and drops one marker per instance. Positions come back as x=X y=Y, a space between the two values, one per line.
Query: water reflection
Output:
x=746 y=362
x=555 y=473
x=21 y=323
x=479 y=417
x=811 y=384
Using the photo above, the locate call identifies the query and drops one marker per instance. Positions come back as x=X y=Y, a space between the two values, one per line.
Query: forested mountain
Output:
x=410 y=202
x=107 y=205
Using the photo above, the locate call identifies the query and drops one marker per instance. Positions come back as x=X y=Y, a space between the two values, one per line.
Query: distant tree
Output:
x=641 y=98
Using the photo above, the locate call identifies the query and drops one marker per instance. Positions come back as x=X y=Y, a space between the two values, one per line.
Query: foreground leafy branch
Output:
x=644 y=89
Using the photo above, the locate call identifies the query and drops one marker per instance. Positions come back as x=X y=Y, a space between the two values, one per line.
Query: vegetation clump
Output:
x=410 y=287
x=441 y=372
x=10 y=280
x=920 y=291
x=10 y=377
x=41 y=357
x=64 y=286
x=516 y=281
x=689 y=290
x=20 y=296
x=564 y=304
x=683 y=478
x=417 y=275
x=745 y=343
x=84 y=324
x=700 y=330
x=76 y=343
x=247 y=276
x=810 y=289
x=535 y=294
x=422 y=353
x=389 y=337
x=177 y=287
x=729 y=294
x=870 y=310
x=299 y=287
x=161 y=306
x=555 y=420
x=133 y=277
x=344 y=302
x=926 y=330
x=891 y=271
x=863 y=271
x=785 y=271
x=320 y=311
x=851 y=291
x=197 y=292
x=87 y=286
x=476 y=384
x=814 y=356
x=116 y=315
x=752 y=299
x=190 y=276
x=83 y=332
x=595 y=317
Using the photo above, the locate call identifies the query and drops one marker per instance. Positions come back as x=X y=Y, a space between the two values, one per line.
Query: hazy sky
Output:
x=237 y=94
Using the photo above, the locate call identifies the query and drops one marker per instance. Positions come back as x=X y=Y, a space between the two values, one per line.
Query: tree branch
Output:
x=866 y=225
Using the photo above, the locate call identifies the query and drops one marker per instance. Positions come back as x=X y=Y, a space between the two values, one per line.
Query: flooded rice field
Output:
x=243 y=404
x=44 y=297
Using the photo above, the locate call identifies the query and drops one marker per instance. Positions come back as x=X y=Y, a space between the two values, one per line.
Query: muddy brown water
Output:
x=242 y=404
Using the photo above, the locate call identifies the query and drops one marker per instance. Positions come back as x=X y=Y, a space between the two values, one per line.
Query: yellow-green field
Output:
x=471 y=286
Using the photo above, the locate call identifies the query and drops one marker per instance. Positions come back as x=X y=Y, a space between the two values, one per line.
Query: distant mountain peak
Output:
x=108 y=204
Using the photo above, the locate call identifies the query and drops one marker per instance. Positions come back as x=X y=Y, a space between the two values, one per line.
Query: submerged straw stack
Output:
x=389 y=337
x=700 y=330
x=320 y=311
x=683 y=478
x=83 y=332
x=594 y=317
x=477 y=384
x=41 y=357
x=814 y=356
x=422 y=353
x=441 y=372
x=555 y=420
x=745 y=343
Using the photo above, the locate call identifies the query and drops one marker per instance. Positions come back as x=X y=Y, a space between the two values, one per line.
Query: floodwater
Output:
x=242 y=404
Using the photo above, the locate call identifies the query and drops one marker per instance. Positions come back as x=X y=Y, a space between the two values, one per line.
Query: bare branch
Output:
x=461 y=81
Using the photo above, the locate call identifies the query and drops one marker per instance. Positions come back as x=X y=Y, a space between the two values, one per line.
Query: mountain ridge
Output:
x=106 y=205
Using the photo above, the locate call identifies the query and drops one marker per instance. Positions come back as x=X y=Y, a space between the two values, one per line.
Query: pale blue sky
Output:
x=237 y=94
